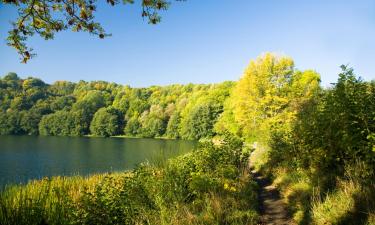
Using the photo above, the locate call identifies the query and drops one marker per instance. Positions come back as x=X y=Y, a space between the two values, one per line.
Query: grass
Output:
x=336 y=205
x=297 y=190
x=371 y=218
x=209 y=186
x=47 y=200
x=348 y=201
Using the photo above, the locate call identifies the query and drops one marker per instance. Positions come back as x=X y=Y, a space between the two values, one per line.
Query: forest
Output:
x=316 y=144
x=31 y=107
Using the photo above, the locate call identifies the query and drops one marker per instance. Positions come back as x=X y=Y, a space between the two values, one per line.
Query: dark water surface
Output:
x=32 y=157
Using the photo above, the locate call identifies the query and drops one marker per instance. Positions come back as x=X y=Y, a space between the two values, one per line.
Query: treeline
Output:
x=30 y=106
x=318 y=143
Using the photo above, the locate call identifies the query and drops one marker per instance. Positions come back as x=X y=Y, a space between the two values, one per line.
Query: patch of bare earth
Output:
x=272 y=208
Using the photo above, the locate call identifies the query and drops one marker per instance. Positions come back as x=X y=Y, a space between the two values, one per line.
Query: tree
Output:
x=337 y=129
x=201 y=120
x=63 y=102
x=174 y=126
x=10 y=123
x=267 y=96
x=62 y=88
x=62 y=123
x=66 y=108
x=30 y=121
x=153 y=122
x=132 y=126
x=45 y=18
x=105 y=122
x=11 y=76
x=87 y=106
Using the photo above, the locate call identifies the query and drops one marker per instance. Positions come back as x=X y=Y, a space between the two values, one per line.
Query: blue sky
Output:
x=204 y=42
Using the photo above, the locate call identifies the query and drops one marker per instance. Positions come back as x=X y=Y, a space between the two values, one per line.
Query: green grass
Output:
x=48 y=200
x=297 y=190
x=335 y=205
x=350 y=203
x=209 y=186
x=371 y=218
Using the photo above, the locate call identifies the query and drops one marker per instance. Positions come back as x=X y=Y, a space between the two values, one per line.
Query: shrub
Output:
x=207 y=186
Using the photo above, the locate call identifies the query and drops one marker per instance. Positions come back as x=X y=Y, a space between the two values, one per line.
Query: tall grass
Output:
x=297 y=190
x=348 y=200
x=335 y=206
x=46 y=201
x=208 y=186
x=349 y=203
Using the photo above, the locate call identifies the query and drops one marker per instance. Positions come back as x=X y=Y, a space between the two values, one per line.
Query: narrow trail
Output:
x=272 y=208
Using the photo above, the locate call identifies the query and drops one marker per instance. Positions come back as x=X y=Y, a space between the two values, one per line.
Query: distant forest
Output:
x=32 y=107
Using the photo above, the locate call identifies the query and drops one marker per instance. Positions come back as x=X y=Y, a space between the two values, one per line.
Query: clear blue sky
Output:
x=204 y=41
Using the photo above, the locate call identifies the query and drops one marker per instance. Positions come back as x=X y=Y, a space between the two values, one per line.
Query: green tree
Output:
x=11 y=76
x=62 y=103
x=105 y=123
x=133 y=126
x=62 y=123
x=174 y=126
x=200 y=122
x=10 y=123
x=87 y=106
x=66 y=108
x=153 y=122
x=62 y=88
x=336 y=130
x=30 y=121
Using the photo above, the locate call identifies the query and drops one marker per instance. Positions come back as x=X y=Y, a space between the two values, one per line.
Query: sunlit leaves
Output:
x=267 y=97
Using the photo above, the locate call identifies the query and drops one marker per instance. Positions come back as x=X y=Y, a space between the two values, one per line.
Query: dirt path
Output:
x=272 y=208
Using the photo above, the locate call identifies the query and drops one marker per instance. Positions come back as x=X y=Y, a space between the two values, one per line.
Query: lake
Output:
x=32 y=157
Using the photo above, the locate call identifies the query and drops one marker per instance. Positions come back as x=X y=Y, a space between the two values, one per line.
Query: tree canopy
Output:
x=268 y=95
x=30 y=106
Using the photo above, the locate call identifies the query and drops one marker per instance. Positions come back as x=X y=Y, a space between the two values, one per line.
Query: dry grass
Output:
x=335 y=205
x=296 y=189
x=48 y=200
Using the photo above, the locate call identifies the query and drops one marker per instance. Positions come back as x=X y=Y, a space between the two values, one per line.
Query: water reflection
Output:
x=29 y=157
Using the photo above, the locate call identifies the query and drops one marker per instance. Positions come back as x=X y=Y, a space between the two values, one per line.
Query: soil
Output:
x=272 y=208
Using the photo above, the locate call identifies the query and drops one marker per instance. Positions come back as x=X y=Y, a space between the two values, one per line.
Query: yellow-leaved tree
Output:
x=267 y=97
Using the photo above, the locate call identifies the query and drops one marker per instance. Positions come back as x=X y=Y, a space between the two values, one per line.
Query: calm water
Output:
x=31 y=157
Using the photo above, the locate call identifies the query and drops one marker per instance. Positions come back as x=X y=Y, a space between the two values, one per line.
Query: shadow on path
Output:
x=272 y=208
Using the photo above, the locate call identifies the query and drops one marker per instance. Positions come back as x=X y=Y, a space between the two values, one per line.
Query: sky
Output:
x=203 y=42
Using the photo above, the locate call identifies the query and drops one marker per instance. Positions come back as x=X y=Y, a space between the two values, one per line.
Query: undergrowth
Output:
x=208 y=186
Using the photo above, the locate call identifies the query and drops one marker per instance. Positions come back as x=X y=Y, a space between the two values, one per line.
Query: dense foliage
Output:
x=30 y=106
x=267 y=98
x=335 y=129
x=318 y=143
x=208 y=186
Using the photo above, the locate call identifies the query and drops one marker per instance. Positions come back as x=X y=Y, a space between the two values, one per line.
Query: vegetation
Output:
x=30 y=106
x=317 y=144
x=208 y=186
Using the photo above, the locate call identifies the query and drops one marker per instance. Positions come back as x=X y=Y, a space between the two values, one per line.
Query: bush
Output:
x=207 y=186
